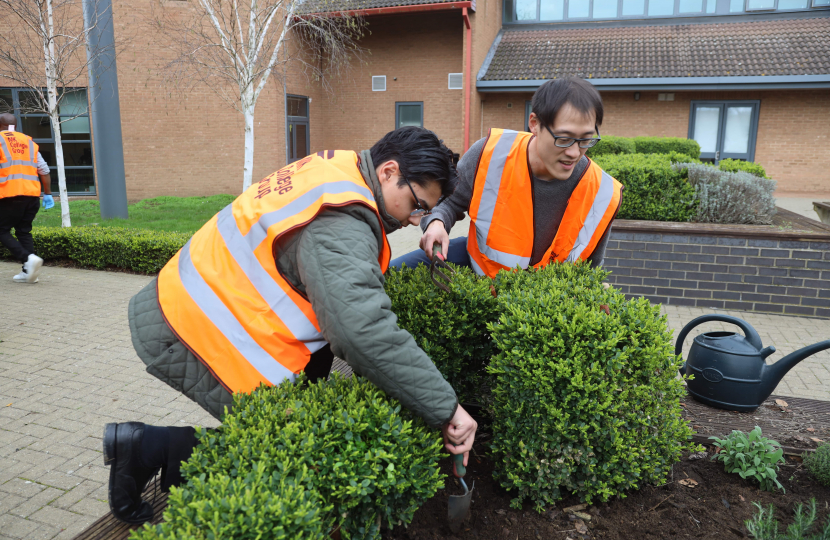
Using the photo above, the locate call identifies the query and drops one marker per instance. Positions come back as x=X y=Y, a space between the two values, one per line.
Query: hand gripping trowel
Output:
x=458 y=507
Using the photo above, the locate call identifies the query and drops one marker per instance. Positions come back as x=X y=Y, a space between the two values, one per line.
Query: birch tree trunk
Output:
x=248 y=168
x=54 y=116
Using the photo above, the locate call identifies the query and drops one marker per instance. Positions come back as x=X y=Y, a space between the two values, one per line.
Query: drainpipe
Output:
x=469 y=39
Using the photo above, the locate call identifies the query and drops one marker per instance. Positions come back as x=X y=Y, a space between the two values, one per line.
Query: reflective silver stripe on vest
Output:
x=601 y=201
x=12 y=162
x=32 y=153
x=476 y=267
x=281 y=304
x=19 y=177
x=221 y=317
x=487 y=204
x=259 y=232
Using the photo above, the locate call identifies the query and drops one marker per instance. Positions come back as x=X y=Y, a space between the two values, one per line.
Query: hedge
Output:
x=736 y=165
x=653 y=189
x=664 y=145
x=299 y=460
x=612 y=145
x=585 y=398
x=450 y=327
x=140 y=250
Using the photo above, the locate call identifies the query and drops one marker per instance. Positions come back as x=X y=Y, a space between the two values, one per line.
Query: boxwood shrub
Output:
x=612 y=145
x=664 y=145
x=736 y=165
x=653 y=189
x=585 y=398
x=140 y=250
x=337 y=453
x=450 y=327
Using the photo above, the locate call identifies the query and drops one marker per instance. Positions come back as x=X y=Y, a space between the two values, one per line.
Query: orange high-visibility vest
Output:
x=501 y=209
x=18 y=165
x=222 y=294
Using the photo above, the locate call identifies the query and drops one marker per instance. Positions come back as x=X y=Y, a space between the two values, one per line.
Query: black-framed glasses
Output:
x=419 y=211
x=567 y=142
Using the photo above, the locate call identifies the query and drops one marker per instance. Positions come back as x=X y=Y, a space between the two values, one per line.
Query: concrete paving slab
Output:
x=67 y=367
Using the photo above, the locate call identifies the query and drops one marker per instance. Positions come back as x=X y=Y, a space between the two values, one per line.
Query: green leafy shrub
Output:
x=764 y=526
x=730 y=197
x=341 y=446
x=450 y=327
x=818 y=463
x=584 y=401
x=612 y=145
x=653 y=189
x=751 y=456
x=664 y=145
x=140 y=250
x=735 y=165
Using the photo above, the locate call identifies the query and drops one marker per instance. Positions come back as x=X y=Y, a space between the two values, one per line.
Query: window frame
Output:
x=53 y=170
x=297 y=120
x=726 y=103
x=398 y=110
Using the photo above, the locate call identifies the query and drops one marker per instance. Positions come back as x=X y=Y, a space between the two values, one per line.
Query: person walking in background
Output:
x=533 y=198
x=23 y=173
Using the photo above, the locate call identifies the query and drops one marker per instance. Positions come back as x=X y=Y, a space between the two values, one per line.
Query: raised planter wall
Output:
x=753 y=268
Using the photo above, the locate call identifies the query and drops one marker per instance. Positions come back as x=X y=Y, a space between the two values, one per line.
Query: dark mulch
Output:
x=715 y=508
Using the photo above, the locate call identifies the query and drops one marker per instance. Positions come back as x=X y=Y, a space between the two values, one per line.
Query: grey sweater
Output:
x=550 y=199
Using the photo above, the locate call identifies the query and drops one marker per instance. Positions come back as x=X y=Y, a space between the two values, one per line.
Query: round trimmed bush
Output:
x=585 y=398
x=818 y=463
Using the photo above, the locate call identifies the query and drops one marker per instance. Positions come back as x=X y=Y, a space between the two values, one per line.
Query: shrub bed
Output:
x=653 y=189
x=585 y=398
x=664 y=145
x=298 y=460
x=140 y=250
x=450 y=327
x=730 y=197
x=735 y=165
x=612 y=145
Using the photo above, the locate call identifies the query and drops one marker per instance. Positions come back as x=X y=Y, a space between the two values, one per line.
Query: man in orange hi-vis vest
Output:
x=284 y=278
x=23 y=173
x=533 y=198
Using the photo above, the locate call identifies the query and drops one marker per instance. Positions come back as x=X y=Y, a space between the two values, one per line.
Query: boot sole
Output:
x=109 y=443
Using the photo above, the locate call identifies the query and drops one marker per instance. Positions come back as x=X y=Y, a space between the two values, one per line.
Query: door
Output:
x=724 y=129
x=298 y=138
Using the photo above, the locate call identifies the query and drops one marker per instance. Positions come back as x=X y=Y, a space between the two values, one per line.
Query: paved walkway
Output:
x=67 y=367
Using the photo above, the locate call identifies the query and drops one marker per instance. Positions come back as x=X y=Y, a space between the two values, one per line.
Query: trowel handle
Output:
x=750 y=333
x=458 y=468
x=436 y=248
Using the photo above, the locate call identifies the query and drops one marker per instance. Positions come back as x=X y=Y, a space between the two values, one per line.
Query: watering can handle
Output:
x=751 y=335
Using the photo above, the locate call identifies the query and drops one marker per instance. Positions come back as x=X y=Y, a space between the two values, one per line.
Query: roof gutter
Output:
x=442 y=6
x=675 y=83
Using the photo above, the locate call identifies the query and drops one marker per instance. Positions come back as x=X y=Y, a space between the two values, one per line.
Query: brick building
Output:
x=747 y=78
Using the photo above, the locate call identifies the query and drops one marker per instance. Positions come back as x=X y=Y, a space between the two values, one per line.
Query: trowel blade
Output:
x=458 y=508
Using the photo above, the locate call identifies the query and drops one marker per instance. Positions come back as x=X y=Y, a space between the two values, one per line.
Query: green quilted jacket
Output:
x=333 y=260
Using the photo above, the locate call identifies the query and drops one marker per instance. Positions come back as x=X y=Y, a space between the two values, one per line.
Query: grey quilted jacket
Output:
x=333 y=260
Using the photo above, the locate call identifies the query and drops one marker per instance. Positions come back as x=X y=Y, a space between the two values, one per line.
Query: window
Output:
x=76 y=139
x=724 y=129
x=533 y=11
x=528 y=110
x=409 y=113
x=297 y=137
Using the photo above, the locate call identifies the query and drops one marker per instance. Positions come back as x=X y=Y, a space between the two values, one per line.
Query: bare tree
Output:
x=234 y=47
x=52 y=31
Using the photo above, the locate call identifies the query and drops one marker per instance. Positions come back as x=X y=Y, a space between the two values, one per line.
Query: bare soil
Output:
x=715 y=508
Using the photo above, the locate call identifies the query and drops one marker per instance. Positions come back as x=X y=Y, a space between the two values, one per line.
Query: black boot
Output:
x=128 y=475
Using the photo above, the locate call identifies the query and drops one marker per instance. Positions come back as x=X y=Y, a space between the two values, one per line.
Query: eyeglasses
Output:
x=419 y=211
x=567 y=142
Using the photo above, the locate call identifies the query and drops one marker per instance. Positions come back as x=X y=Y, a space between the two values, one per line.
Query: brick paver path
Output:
x=67 y=367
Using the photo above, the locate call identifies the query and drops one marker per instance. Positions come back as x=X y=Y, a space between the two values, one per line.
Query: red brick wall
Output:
x=420 y=50
x=486 y=23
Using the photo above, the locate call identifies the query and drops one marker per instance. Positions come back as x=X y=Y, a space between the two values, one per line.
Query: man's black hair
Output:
x=421 y=156
x=554 y=94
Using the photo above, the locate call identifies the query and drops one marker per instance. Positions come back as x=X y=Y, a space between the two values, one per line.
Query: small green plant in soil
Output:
x=764 y=526
x=751 y=456
x=585 y=395
x=818 y=463
x=299 y=460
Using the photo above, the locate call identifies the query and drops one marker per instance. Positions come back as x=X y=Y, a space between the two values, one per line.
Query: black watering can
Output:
x=729 y=369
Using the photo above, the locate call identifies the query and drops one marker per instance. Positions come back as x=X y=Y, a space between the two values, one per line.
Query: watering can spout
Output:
x=774 y=373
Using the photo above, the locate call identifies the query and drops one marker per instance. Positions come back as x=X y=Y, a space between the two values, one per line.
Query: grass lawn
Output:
x=182 y=214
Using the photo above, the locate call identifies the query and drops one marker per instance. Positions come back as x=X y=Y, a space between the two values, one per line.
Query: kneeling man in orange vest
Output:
x=533 y=198
x=276 y=284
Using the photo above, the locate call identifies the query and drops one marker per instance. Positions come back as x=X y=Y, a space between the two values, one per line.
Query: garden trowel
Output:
x=458 y=507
